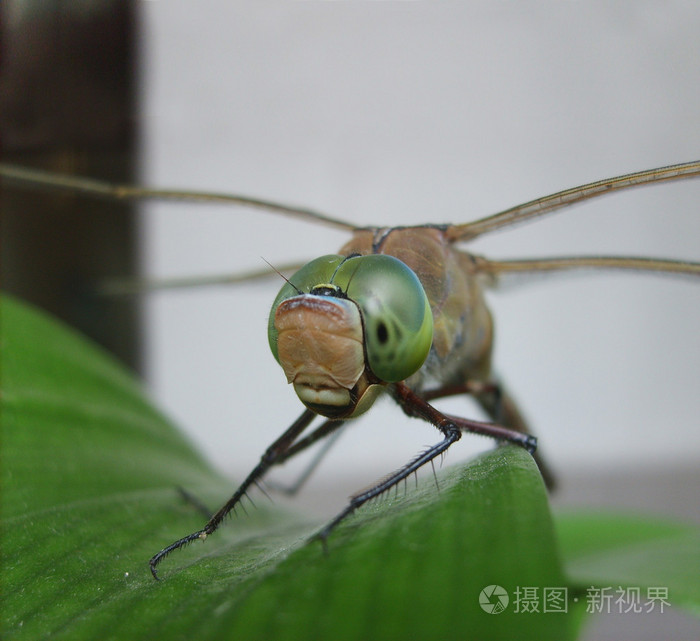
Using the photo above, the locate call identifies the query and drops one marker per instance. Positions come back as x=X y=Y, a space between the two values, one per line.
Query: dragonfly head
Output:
x=343 y=327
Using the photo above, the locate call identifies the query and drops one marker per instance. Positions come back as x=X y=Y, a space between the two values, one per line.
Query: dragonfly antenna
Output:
x=281 y=275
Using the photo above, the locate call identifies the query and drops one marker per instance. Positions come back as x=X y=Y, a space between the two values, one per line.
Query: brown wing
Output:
x=103 y=189
x=498 y=268
x=548 y=204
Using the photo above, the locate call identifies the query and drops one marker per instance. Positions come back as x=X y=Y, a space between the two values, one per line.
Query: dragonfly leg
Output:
x=501 y=408
x=282 y=449
x=194 y=501
x=470 y=387
x=328 y=427
x=451 y=427
x=452 y=434
x=416 y=406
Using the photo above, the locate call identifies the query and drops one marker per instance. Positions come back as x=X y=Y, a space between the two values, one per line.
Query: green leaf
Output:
x=621 y=551
x=89 y=475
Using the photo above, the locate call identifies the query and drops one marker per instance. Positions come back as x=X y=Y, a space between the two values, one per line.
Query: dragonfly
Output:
x=397 y=311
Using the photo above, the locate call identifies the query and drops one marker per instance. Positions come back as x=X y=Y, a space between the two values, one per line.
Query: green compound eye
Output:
x=398 y=322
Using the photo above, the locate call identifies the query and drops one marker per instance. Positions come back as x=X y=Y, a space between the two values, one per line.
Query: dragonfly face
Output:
x=343 y=326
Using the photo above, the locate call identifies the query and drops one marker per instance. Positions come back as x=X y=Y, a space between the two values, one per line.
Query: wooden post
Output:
x=67 y=104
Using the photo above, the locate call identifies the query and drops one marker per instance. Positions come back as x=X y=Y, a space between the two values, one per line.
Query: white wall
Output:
x=430 y=112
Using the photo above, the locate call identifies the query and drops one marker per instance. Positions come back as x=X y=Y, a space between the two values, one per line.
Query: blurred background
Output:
x=404 y=113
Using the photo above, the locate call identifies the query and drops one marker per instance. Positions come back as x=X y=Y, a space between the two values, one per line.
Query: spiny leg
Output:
x=451 y=427
x=194 y=501
x=278 y=452
x=328 y=427
x=501 y=408
x=417 y=407
x=452 y=433
x=505 y=410
x=470 y=387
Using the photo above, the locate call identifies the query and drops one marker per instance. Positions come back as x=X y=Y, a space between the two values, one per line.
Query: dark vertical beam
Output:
x=68 y=103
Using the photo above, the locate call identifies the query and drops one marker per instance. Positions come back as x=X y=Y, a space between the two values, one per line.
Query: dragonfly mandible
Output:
x=399 y=311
